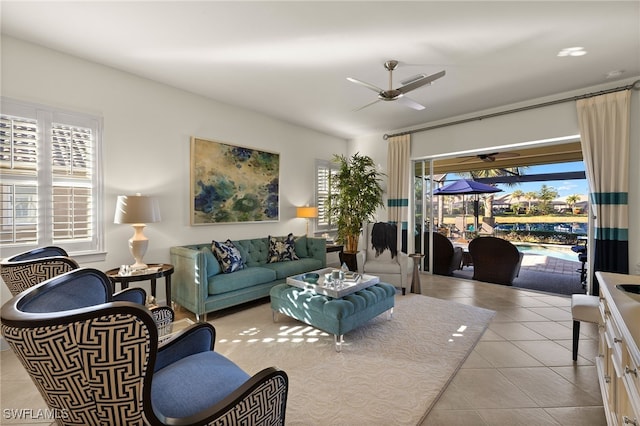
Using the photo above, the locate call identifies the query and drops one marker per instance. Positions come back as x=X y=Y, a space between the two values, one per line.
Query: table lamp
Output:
x=307 y=213
x=137 y=210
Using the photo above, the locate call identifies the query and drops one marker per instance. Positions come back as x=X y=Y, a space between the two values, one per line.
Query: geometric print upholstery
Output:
x=94 y=365
x=250 y=410
x=81 y=382
x=19 y=276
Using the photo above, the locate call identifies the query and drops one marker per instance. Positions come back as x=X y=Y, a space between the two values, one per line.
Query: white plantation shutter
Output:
x=324 y=171
x=19 y=190
x=50 y=186
x=72 y=170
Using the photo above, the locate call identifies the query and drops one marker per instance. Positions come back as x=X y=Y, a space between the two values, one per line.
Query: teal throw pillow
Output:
x=213 y=266
x=228 y=256
x=301 y=246
x=282 y=249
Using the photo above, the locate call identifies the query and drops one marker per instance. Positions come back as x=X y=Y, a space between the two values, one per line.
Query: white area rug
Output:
x=389 y=371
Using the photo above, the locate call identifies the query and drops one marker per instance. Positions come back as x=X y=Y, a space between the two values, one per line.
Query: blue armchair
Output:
x=96 y=361
x=29 y=268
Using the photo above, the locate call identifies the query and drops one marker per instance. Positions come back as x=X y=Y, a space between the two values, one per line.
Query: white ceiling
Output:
x=290 y=60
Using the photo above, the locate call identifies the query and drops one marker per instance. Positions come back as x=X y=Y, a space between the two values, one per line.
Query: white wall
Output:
x=548 y=122
x=147 y=130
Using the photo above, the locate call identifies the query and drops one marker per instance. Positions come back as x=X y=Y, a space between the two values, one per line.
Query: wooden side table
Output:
x=164 y=270
x=415 y=282
x=331 y=248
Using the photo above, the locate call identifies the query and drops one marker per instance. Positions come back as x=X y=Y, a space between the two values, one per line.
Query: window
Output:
x=324 y=170
x=50 y=182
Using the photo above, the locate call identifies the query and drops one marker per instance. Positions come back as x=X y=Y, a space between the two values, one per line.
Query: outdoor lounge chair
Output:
x=446 y=257
x=495 y=260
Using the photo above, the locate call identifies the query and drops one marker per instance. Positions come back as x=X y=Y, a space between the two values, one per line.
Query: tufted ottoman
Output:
x=335 y=316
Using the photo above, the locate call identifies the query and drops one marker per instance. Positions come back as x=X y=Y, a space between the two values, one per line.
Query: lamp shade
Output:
x=307 y=212
x=136 y=209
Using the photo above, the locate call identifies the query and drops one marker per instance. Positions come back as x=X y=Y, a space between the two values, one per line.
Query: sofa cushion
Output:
x=301 y=246
x=294 y=267
x=243 y=278
x=255 y=251
x=213 y=267
x=282 y=249
x=228 y=256
x=376 y=267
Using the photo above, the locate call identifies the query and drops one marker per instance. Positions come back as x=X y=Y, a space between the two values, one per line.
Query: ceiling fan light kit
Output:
x=491 y=157
x=397 y=94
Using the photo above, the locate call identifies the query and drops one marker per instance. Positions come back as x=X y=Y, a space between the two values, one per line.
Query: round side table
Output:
x=164 y=270
x=415 y=283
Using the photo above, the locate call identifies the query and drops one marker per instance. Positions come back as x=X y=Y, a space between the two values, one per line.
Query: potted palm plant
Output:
x=356 y=194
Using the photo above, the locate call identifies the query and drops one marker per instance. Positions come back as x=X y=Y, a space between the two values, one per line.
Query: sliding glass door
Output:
x=426 y=214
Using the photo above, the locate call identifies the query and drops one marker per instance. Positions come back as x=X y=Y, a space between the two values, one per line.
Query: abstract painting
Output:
x=232 y=184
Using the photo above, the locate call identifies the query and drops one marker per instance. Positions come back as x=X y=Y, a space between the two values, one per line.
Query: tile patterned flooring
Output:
x=519 y=373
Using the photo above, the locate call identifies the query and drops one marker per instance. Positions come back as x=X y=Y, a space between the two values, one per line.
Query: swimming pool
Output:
x=560 y=252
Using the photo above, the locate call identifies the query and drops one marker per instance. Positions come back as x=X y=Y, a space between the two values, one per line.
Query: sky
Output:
x=564 y=188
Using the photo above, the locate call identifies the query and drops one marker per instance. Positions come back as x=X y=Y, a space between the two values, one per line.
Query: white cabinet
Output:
x=618 y=361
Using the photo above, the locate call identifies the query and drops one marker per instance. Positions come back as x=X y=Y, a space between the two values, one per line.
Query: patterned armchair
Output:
x=29 y=268
x=96 y=361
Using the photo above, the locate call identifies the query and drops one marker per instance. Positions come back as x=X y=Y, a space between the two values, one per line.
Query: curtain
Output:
x=398 y=168
x=604 y=132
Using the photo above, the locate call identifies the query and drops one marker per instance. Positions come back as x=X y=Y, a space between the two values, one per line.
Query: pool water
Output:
x=560 y=252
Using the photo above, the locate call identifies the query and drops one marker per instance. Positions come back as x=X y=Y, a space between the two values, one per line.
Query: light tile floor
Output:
x=520 y=372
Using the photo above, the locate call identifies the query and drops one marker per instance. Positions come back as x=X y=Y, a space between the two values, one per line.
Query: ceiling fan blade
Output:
x=410 y=103
x=421 y=82
x=369 y=104
x=367 y=85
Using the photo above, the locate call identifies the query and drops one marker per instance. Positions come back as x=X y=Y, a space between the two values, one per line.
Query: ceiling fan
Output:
x=399 y=94
x=490 y=158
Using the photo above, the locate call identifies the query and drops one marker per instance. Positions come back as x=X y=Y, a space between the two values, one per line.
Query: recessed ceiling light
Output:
x=614 y=73
x=572 y=51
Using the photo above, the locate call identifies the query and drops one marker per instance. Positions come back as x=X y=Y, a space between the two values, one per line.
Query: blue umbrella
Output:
x=467 y=186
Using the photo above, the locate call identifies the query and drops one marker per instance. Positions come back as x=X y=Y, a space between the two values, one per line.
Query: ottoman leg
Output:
x=338 y=341
x=390 y=314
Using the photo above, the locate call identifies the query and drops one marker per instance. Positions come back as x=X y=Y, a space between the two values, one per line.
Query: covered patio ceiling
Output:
x=548 y=154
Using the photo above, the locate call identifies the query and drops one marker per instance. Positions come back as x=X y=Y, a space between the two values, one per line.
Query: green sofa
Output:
x=199 y=285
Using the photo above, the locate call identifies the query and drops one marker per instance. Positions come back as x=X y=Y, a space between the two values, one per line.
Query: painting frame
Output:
x=233 y=184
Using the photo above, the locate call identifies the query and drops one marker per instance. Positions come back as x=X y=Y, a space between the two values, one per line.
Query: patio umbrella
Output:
x=467 y=186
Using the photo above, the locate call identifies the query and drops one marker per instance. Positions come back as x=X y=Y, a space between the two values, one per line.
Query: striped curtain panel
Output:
x=398 y=168
x=604 y=131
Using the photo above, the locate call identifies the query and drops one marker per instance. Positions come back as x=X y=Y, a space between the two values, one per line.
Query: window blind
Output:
x=49 y=189
x=324 y=188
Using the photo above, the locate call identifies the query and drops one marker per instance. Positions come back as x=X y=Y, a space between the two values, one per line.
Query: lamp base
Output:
x=138 y=246
x=138 y=266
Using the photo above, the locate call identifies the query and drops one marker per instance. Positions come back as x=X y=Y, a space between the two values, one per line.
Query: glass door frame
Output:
x=421 y=221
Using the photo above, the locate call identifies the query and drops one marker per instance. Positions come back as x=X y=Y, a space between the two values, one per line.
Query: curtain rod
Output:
x=635 y=85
